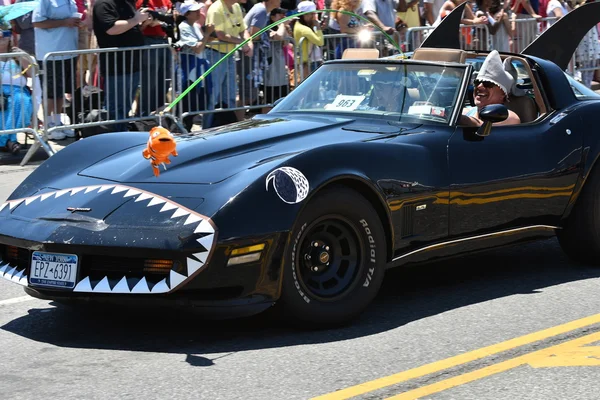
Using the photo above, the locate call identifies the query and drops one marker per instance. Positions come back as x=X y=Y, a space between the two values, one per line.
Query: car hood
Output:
x=214 y=155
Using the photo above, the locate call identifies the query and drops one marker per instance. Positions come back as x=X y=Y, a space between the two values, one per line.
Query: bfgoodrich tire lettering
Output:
x=335 y=261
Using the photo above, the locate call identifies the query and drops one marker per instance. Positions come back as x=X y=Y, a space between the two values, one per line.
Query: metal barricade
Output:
x=126 y=88
x=237 y=84
x=20 y=101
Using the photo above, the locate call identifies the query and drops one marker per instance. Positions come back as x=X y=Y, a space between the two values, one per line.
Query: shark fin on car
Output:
x=559 y=42
x=447 y=34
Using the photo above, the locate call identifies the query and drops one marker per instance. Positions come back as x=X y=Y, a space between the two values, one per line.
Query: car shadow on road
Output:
x=407 y=295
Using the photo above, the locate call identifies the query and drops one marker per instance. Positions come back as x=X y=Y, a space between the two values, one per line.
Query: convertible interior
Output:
x=529 y=107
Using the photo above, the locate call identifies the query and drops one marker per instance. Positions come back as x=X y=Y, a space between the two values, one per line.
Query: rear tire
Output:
x=335 y=260
x=580 y=236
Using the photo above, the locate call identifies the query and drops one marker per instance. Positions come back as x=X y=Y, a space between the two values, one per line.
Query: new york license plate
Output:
x=53 y=270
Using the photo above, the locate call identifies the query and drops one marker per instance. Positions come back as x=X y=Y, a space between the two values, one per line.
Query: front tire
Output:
x=335 y=261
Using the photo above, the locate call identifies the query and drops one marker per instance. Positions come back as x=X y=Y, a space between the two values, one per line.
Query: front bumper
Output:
x=174 y=220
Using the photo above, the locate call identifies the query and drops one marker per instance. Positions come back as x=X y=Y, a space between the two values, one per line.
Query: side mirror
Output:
x=279 y=100
x=489 y=115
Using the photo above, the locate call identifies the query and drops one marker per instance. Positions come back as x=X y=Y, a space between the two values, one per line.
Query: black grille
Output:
x=21 y=260
x=97 y=267
x=408 y=212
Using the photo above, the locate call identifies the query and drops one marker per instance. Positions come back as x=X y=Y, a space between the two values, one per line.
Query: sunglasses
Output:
x=486 y=84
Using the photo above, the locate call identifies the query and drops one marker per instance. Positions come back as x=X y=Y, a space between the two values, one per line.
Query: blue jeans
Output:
x=156 y=70
x=224 y=88
x=120 y=90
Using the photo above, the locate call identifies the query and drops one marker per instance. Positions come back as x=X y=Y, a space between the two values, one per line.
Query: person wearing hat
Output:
x=389 y=92
x=192 y=42
x=308 y=28
x=492 y=86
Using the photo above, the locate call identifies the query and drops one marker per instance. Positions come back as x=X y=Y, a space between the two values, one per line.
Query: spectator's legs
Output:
x=219 y=92
x=155 y=72
x=120 y=90
x=59 y=81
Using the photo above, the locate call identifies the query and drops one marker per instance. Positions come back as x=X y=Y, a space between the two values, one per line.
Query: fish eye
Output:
x=155 y=134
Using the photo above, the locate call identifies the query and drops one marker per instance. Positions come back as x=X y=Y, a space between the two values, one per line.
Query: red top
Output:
x=156 y=5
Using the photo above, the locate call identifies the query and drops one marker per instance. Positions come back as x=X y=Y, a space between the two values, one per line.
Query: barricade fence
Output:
x=111 y=88
x=19 y=101
x=237 y=84
x=123 y=85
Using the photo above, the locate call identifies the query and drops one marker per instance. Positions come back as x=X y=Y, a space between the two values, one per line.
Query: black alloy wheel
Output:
x=329 y=257
x=335 y=260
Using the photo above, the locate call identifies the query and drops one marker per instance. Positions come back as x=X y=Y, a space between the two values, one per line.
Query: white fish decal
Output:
x=290 y=184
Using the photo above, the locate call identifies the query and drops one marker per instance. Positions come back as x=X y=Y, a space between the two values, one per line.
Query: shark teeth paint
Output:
x=127 y=285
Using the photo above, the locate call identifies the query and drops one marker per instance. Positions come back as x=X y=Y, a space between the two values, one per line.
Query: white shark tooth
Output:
x=76 y=190
x=193 y=266
x=23 y=280
x=132 y=192
x=84 y=286
x=31 y=199
x=10 y=272
x=61 y=192
x=206 y=241
x=156 y=201
x=3 y=269
x=143 y=196
x=45 y=196
x=103 y=286
x=175 y=279
x=161 y=287
x=204 y=227
x=91 y=188
x=119 y=189
x=191 y=219
x=17 y=277
x=201 y=256
x=2 y=206
x=13 y=204
x=168 y=206
x=105 y=188
x=122 y=286
x=179 y=213
x=141 y=287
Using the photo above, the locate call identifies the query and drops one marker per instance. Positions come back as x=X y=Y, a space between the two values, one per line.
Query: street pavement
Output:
x=428 y=333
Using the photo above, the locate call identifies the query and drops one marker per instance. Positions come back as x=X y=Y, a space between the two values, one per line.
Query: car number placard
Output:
x=345 y=103
x=54 y=270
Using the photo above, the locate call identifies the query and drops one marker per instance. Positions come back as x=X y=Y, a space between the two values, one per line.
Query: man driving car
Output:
x=492 y=86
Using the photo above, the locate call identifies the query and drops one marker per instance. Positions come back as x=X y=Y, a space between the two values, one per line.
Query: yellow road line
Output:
x=494 y=369
x=459 y=359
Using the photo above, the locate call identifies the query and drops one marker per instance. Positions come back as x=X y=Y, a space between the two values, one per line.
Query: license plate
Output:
x=53 y=270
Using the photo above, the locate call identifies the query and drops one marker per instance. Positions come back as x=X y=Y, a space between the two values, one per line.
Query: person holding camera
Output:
x=117 y=23
x=157 y=62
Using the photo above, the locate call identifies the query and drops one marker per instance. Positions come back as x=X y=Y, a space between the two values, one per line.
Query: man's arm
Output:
x=371 y=16
x=429 y=13
x=121 y=26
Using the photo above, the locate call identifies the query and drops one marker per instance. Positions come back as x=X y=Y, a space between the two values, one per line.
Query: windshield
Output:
x=394 y=90
x=581 y=92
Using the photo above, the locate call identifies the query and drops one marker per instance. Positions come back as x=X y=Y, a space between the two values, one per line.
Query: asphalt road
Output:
x=490 y=326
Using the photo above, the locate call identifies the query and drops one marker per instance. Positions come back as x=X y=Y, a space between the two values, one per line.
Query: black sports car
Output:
x=362 y=167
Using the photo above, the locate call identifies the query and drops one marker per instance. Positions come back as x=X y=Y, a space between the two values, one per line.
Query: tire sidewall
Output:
x=298 y=302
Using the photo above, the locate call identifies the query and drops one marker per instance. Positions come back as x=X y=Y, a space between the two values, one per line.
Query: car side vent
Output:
x=408 y=213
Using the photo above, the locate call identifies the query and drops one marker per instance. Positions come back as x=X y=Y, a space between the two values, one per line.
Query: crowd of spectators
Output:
x=263 y=70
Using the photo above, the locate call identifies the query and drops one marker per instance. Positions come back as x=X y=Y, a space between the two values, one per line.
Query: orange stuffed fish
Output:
x=161 y=145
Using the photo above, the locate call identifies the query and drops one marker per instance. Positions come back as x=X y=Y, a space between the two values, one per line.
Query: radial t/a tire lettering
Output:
x=335 y=260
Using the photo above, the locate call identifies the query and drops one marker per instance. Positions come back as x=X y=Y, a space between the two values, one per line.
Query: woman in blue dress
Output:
x=16 y=107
